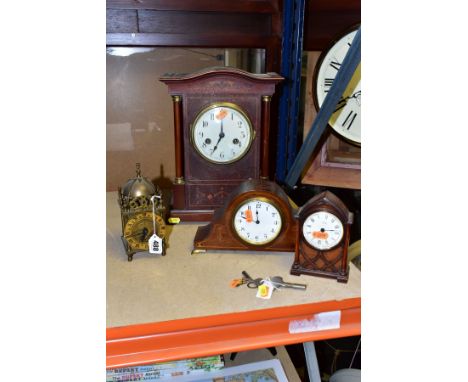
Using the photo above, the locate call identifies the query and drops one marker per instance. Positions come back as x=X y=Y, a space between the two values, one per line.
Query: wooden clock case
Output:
x=201 y=186
x=327 y=263
x=220 y=234
x=336 y=162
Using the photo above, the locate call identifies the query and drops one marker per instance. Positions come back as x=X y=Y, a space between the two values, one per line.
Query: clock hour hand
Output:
x=144 y=232
x=138 y=233
x=341 y=104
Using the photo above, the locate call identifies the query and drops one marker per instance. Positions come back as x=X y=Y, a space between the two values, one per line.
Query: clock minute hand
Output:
x=357 y=95
x=221 y=136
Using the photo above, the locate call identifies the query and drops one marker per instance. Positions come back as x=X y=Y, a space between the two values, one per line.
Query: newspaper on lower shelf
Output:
x=264 y=371
x=165 y=370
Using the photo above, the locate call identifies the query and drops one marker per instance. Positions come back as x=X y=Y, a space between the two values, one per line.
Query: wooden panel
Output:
x=119 y=21
x=254 y=6
x=194 y=40
x=333 y=5
x=309 y=107
x=203 y=23
x=322 y=172
x=325 y=19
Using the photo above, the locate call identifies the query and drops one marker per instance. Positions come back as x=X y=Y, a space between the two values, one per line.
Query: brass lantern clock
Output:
x=136 y=210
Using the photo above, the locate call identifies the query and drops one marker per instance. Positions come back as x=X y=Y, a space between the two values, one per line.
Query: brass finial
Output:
x=138 y=171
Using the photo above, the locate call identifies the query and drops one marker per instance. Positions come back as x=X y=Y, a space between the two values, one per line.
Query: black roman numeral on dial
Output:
x=348 y=122
x=335 y=65
x=328 y=82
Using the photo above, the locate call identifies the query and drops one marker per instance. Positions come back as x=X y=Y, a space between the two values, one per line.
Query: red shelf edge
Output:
x=218 y=334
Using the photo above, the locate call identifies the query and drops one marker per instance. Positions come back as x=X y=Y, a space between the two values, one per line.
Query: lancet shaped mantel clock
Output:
x=221 y=127
x=323 y=238
x=257 y=216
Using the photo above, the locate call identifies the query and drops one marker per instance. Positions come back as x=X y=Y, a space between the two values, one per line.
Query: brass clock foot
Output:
x=198 y=251
x=130 y=257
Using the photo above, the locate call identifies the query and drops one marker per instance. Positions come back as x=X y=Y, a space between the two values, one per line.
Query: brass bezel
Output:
x=262 y=199
x=214 y=106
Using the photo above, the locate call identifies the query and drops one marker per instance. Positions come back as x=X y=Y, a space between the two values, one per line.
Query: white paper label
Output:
x=155 y=244
x=320 y=321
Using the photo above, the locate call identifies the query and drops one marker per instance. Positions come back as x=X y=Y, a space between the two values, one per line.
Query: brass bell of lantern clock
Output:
x=136 y=210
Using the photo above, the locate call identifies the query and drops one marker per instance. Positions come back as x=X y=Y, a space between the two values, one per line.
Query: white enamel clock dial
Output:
x=346 y=119
x=222 y=133
x=257 y=221
x=322 y=230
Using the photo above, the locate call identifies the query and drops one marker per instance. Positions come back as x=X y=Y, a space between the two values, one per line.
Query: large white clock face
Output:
x=346 y=119
x=222 y=133
x=322 y=230
x=257 y=221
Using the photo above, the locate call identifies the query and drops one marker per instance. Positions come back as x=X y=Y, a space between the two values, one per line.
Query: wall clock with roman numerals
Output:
x=257 y=216
x=221 y=125
x=323 y=238
x=346 y=120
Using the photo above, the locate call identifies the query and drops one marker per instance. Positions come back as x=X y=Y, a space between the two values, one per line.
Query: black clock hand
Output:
x=221 y=136
x=144 y=232
x=357 y=95
x=257 y=221
x=136 y=233
x=343 y=101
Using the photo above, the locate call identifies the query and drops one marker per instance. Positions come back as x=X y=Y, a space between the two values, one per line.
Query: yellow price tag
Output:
x=265 y=289
x=174 y=220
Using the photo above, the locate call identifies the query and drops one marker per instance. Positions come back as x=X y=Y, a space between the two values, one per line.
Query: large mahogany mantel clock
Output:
x=221 y=127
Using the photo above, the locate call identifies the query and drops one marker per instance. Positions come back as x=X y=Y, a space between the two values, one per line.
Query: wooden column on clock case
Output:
x=178 y=191
x=201 y=185
x=265 y=136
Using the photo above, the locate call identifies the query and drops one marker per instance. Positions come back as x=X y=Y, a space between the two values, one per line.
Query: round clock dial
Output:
x=257 y=221
x=222 y=133
x=346 y=119
x=139 y=229
x=322 y=230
